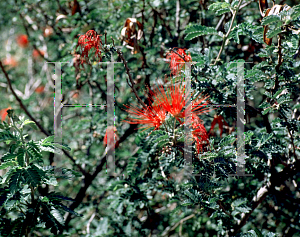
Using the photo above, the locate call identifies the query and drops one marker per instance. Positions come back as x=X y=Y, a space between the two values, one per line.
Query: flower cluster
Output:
x=177 y=59
x=171 y=101
x=87 y=42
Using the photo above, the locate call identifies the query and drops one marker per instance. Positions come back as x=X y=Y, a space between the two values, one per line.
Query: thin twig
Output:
x=177 y=53
x=20 y=101
x=33 y=119
x=292 y=139
x=261 y=195
x=130 y=78
x=89 y=223
x=228 y=32
x=168 y=230
x=220 y=22
x=34 y=46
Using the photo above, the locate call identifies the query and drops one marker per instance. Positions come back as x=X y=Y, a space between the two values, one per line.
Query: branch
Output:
x=292 y=139
x=169 y=229
x=130 y=78
x=33 y=119
x=163 y=21
x=34 y=46
x=220 y=22
x=258 y=198
x=89 y=178
x=177 y=53
x=20 y=101
x=228 y=32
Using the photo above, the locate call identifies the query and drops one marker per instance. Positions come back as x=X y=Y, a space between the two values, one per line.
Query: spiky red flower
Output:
x=87 y=42
x=172 y=100
x=152 y=116
x=200 y=135
x=176 y=62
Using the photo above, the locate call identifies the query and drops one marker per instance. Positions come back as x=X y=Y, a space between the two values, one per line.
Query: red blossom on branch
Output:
x=89 y=41
x=3 y=113
x=177 y=59
x=22 y=41
x=172 y=100
x=199 y=134
x=218 y=119
x=153 y=116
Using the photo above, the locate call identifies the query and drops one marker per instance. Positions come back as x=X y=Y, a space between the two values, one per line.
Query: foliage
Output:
x=22 y=209
x=163 y=184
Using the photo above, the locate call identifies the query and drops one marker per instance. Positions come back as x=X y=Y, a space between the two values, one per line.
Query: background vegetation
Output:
x=151 y=194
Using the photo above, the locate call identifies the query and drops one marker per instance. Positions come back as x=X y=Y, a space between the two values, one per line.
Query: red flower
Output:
x=22 y=41
x=200 y=135
x=176 y=62
x=40 y=89
x=199 y=105
x=218 y=119
x=153 y=116
x=111 y=130
x=173 y=101
x=3 y=113
x=11 y=62
x=87 y=42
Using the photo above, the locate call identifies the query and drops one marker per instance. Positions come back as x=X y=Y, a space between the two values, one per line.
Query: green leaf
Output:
x=7 y=164
x=45 y=199
x=56 y=196
x=56 y=214
x=21 y=157
x=7 y=136
x=259 y=234
x=33 y=175
x=272 y=33
x=30 y=123
x=263 y=139
x=48 y=139
x=219 y=8
x=226 y=141
x=267 y=110
x=270 y=19
x=51 y=181
x=194 y=31
x=295 y=12
x=8 y=157
x=8 y=174
x=255 y=32
x=14 y=181
x=131 y=164
x=33 y=150
x=63 y=207
x=186 y=203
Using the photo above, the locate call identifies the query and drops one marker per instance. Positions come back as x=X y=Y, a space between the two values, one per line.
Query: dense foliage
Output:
x=154 y=191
